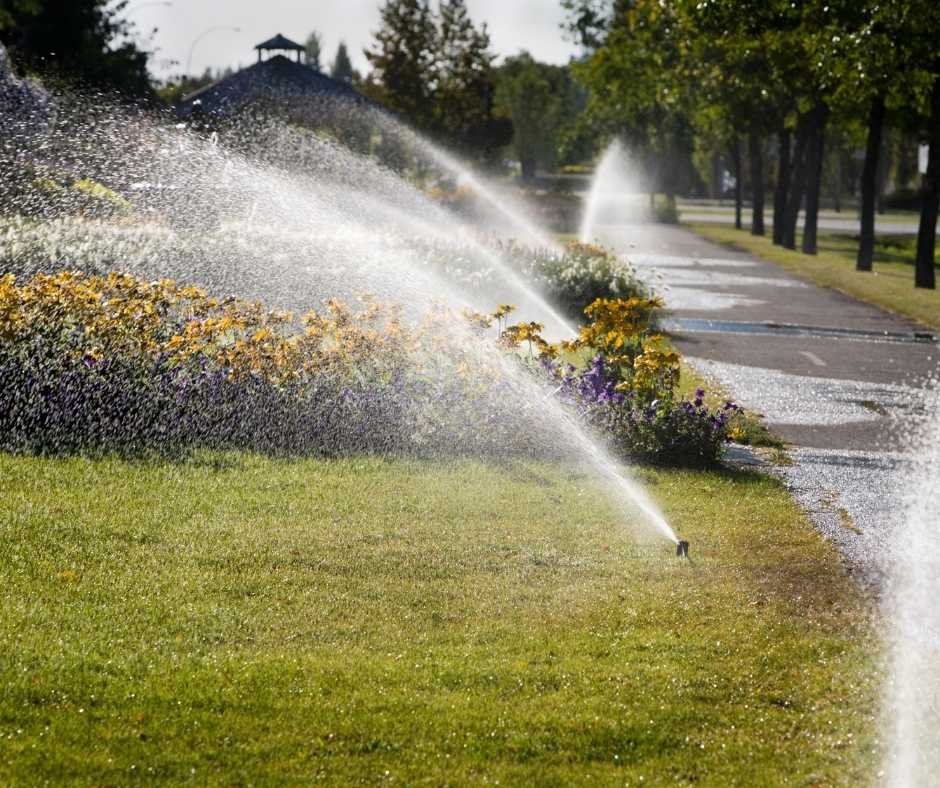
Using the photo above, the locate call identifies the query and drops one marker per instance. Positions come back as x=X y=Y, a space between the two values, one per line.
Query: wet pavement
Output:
x=846 y=224
x=841 y=381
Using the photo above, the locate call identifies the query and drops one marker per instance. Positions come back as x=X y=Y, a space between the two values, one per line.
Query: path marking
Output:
x=813 y=357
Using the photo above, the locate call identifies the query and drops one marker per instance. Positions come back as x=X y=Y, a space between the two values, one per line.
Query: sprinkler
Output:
x=682 y=548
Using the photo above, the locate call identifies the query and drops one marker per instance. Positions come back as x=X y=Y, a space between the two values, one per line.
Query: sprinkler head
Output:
x=682 y=548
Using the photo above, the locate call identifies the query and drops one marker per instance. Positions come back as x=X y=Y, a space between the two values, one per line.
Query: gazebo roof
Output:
x=276 y=78
x=280 y=42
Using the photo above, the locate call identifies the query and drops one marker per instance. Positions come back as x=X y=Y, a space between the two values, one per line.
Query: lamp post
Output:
x=202 y=35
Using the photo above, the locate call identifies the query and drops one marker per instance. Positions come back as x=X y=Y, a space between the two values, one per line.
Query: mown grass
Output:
x=890 y=285
x=241 y=620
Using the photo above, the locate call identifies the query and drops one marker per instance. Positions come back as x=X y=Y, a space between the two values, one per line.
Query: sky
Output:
x=202 y=31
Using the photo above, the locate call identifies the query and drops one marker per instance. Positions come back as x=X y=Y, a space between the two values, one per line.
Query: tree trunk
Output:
x=736 y=163
x=815 y=155
x=717 y=177
x=528 y=168
x=866 y=244
x=783 y=179
x=927 y=232
x=837 y=192
x=883 y=167
x=755 y=152
x=797 y=182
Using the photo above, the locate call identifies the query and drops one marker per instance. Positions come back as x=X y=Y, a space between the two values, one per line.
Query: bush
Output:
x=580 y=275
x=571 y=279
x=665 y=210
x=44 y=194
x=628 y=391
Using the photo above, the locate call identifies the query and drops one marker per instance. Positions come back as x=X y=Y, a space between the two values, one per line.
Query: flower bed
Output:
x=117 y=364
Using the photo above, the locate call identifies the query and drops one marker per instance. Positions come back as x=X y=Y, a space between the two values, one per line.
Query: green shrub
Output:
x=665 y=210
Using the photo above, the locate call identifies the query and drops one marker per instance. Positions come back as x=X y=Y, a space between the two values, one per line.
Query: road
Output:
x=842 y=381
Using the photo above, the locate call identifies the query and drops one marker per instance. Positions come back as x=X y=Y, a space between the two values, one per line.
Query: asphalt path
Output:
x=846 y=224
x=842 y=381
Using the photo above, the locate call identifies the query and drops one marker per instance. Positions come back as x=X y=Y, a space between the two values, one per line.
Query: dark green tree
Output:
x=465 y=90
x=82 y=43
x=342 y=68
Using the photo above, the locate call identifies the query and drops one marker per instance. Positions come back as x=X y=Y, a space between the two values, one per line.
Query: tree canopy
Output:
x=435 y=68
x=543 y=102
x=84 y=43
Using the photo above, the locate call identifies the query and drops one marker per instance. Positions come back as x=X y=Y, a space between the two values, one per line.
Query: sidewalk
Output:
x=839 y=379
x=843 y=224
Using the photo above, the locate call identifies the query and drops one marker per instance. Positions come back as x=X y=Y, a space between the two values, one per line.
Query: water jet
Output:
x=237 y=216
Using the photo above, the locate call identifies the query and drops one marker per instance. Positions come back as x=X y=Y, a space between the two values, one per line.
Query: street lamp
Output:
x=202 y=35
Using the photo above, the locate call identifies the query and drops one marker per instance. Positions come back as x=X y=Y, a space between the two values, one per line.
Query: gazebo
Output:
x=280 y=43
x=276 y=79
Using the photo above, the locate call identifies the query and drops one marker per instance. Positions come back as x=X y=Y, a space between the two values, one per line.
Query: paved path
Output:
x=843 y=224
x=841 y=380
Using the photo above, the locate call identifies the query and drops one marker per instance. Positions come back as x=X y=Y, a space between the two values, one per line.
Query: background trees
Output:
x=794 y=83
x=85 y=43
x=543 y=102
x=312 y=50
x=435 y=68
x=342 y=68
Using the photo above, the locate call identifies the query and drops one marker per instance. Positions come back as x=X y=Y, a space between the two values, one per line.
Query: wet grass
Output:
x=890 y=285
x=239 y=620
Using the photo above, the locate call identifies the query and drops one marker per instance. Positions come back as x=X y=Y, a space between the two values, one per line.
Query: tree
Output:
x=924 y=275
x=312 y=50
x=542 y=101
x=436 y=70
x=83 y=43
x=403 y=60
x=634 y=66
x=342 y=68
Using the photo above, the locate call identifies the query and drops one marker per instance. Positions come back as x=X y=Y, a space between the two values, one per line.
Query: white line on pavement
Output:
x=813 y=357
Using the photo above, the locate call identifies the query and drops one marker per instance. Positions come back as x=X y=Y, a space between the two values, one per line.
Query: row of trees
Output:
x=434 y=67
x=746 y=73
x=340 y=67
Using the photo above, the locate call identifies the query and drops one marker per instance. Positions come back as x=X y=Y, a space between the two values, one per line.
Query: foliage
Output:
x=342 y=68
x=543 y=101
x=570 y=279
x=39 y=192
x=114 y=363
x=629 y=391
x=636 y=50
x=88 y=43
x=435 y=69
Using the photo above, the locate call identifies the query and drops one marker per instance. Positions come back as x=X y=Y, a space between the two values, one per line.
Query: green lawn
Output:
x=239 y=620
x=890 y=285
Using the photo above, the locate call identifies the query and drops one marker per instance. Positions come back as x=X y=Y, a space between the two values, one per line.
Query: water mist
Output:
x=615 y=195
x=912 y=695
x=262 y=227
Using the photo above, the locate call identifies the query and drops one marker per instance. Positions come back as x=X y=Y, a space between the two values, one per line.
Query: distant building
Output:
x=275 y=81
